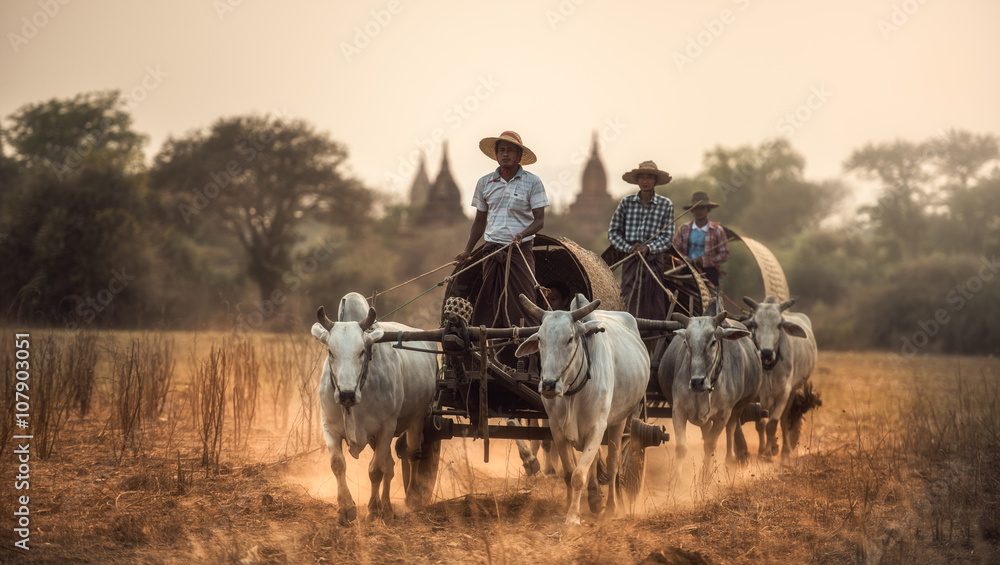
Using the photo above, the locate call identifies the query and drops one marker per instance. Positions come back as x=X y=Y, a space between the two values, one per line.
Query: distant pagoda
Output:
x=444 y=199
x=591 y=210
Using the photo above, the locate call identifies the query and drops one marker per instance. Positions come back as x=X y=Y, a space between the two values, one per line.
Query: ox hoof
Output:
x=347 y=515
x=532 y=467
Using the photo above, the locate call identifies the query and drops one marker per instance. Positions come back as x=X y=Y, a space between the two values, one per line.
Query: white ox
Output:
x=787 y=364
x=591 y=382
x=709 y=373
x=369 y=393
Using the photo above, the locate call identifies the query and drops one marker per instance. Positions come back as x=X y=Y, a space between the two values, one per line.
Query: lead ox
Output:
x=594 y=370
x=711 y=372
x=787 y=365
x=369 y=393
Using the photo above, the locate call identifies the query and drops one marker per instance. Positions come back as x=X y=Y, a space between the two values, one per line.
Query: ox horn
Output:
x=680 y=318
x=719 y=318
x=786 y=304
x=368 y=321
x=585 y=310
x=327 y=323
x=531 y=307
x=750 y=302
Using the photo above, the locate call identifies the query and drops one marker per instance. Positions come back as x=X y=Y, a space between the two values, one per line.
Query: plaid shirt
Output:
x=716 y=247
x=635 y=223
x=508 y=205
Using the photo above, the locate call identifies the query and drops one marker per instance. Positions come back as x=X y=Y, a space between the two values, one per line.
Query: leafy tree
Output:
x=258 y=178
x=73 y=226
x=59 y=135
x=763 y=192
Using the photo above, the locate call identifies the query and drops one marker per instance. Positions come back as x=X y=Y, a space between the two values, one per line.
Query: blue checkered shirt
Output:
x=635 y=223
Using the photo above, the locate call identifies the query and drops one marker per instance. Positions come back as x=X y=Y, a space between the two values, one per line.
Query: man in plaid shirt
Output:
x=704 y=242
x=644 y=224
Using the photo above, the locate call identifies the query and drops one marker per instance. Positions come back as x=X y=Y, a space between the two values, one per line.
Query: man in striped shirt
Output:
x=510 y=209
x=643 y=224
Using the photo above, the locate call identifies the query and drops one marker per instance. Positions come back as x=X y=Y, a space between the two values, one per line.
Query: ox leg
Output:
x=786 y=446
x=594 y=499
x=763 y=450
x=563 y=448
x=346 y=509
x=528 y=459
x=614 y=464
x=680 y=437
x=380 y=472
x=710 y=433
x=581 y=474
x=414 y=487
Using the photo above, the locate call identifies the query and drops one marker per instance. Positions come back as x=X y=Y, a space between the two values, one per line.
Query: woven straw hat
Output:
x=649 y=167
x=701 y=199
x=488 y=145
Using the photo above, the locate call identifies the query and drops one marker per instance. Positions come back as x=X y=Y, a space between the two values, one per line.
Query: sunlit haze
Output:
x=656 y=80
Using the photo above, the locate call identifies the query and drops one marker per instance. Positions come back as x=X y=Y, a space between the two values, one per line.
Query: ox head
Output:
x=559 y=342
x=766 y=323
x=349 y=349
x=703 y=337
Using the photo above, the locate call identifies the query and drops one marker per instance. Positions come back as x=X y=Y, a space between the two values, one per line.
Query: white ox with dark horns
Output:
x=594 y=369
x=787 y=364
x=369 y=393
x=709 y=372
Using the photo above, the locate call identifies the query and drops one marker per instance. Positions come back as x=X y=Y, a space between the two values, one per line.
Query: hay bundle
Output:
x=804 y=400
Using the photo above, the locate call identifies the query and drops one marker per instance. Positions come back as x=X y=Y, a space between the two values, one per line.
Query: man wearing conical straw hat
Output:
x=510 y=209
x=702 y=241
x=643 y=225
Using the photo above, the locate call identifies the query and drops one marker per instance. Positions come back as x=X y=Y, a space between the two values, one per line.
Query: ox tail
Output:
x=804 y=400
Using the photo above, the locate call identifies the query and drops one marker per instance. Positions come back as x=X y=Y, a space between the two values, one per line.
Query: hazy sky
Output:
x=657 y=80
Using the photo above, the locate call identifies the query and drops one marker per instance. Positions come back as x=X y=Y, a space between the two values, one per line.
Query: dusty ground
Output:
x=881 y=476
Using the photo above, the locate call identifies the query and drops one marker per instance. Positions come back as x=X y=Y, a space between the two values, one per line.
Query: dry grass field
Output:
x=178 y=448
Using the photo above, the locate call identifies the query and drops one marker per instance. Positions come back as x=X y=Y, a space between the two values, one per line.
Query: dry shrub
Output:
x=210 y=380
x=279 y=383
x=82 y=360
x=246 y=382
x=129 y=529
x=52 y=394
x=157 y=370
x=127 y=387
x=305 y=365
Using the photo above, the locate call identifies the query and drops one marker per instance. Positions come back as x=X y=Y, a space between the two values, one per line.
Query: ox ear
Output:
x=734 y=333
x=373 y=335
x=320 y=333
x=793 y=329
x=527 y=347
x=786 y=305
x=680 y=318
x=592 y=326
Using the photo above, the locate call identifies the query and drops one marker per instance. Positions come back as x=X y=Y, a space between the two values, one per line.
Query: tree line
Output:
x=254 y=220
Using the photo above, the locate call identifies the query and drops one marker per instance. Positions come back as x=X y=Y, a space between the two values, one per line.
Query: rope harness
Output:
x=586 y=378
